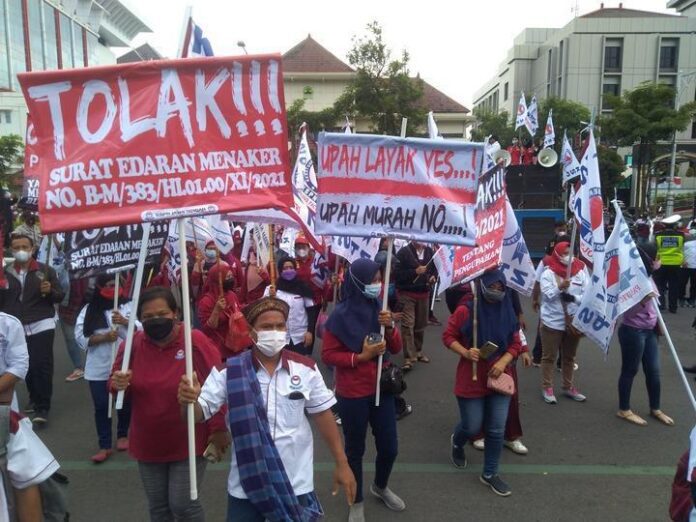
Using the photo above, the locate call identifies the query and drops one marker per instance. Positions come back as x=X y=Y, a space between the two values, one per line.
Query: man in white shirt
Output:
x=290 y=385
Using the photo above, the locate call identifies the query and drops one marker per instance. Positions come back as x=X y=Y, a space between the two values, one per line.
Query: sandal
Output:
x=664 y=419
x=407 y=367
x=423 y=359
x=631 y=417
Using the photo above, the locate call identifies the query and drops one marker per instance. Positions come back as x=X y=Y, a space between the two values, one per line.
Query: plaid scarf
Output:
x=261 y=470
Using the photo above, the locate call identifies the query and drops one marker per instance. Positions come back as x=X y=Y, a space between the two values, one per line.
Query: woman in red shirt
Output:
x=498 y=324
x=158 y=434
x=345 y=347
x=215 y=310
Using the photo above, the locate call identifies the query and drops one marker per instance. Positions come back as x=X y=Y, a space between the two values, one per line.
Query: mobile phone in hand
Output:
x=374 y=338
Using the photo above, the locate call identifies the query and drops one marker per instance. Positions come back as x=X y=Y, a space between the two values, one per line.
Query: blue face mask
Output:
x=372 y=291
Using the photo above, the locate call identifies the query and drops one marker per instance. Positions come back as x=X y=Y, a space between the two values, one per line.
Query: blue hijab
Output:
x=497 y=322
x=356 y=316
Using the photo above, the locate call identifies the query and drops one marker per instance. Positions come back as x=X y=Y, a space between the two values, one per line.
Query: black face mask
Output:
x=158 y=328
x=228 y=284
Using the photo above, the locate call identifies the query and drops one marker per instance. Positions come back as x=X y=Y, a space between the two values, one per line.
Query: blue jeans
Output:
x=490 y=413
x=356 y=414
x=100 y=398
x=71 y=344
x=242 y=510
x=639 y=345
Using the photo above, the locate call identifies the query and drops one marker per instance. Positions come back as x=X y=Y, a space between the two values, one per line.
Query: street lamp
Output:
x=241 y=44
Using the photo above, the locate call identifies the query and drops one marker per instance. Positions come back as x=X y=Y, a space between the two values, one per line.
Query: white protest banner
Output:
x=571 y=165
x=411 y=188
x=521 y=117
x=263 y=243
x=287 y=240
x=531 y=122
x=304 y=189
x=516 y=262
x=444 y=261
x=354 y=248
x=549 y=132
x=248 y=239
x=622 y=282
x=221 y=231
x=589 y=207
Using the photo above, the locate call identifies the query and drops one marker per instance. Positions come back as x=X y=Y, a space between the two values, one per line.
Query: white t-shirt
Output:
x=539 y=271
x=100 y=356
x=298 y=322
x=290 y=428
x=552 y=315
x=690 y=253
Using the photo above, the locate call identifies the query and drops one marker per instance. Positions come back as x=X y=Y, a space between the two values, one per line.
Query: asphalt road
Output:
x=584 y=463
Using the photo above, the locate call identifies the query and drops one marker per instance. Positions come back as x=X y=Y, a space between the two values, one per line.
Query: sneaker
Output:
x=357 y=512
x=549 y=397
x=574 y=394
x=457 y=456
x=407 y=411
x=479 y=444
x=576 y=366
x=40 y=418
x=337 y=418
x=76 y=375
x=497 y=484
x=536 y=363
x=390 y=499
x=516 y=446
x=29 y=408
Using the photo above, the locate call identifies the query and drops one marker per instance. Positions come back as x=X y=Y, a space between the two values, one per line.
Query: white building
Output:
x=610 y=50
x=38 y=35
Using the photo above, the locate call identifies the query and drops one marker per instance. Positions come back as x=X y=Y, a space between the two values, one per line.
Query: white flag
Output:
x=549 y=132
x=354 y=248
x=346 y=127
x=433 y=133
x=621 y=282
x=571 y=165
x=521 y=112
x=287 y=240
x=248 y=239
x=516 y=263
x=222 y=232
x=263 y=244
x=532 y=119
x=589 y=207
x=444 y=262
x=304 y=188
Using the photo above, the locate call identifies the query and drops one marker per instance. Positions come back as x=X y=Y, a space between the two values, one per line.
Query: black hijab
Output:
x=296 y=286
x=95 y=319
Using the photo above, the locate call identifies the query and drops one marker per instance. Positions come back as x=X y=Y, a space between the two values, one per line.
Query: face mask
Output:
x=270 y=342
x=288 y=274
x=372 y=291
x=158 y=328
x=302 y=252
x=564 y=259
x=228 y=284
x=109 y=292
x=492 y=295
x=211 y=254
x=21 y=255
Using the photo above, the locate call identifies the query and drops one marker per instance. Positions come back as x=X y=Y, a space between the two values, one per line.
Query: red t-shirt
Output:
x=464 y=386
x=354 y=379
x=158 y=431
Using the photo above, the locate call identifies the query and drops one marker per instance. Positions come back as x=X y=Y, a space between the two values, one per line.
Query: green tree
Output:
x=382 y=90
x=611 y=165
x=317 y=121
x=490 y=123
x=645 y=116
x=11 y=147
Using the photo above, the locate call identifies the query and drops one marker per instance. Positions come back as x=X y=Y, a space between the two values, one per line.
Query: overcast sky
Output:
x=456 y=46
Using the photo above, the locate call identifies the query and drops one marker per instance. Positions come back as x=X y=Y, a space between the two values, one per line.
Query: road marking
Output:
x=406 y=467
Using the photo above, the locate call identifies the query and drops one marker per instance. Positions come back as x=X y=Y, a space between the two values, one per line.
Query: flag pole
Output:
x=185 y=35
x=188 y=351
x=114 y=345
x=271 y=257
x=675 y=356
x=474 y=331
x=571 y=249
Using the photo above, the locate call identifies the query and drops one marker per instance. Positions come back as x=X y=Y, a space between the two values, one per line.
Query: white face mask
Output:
x=565 y=259
x=270 y=342
x=21 y=255
x=302 y=252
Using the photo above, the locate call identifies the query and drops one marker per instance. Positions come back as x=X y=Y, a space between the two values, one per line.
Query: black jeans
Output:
x=40 y=375
x=356 y=415
x=668 y=281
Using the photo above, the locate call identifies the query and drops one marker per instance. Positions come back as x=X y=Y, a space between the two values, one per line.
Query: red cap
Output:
x=301 y=240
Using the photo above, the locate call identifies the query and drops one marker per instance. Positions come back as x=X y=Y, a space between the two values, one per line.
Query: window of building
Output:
x=669 y=54
x=78 y=51
x=5 y=116
x=611 y=86
x=506 y=91
x=17 y=56
x=613 y=54
x=4 y=52
x=560 y=57
x=92 y=45
x=66 y=49
x=49 y=20
x=36 y=39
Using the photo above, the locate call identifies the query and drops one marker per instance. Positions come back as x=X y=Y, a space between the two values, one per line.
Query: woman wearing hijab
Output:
x=256 y=279
x=638 y=341
x=97 y=329
x=497 y=324
x=298 y=295
x=562 y=287
x=346 y=347
x=216 y=307
x=158 y=435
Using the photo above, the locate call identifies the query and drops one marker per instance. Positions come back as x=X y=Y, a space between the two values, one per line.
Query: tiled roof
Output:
x=310 y=56
x=141 y=54
x=622 y=12
x=437 y=101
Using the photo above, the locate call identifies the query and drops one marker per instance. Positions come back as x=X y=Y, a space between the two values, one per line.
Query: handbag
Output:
x=392 y=380
x=502 y=384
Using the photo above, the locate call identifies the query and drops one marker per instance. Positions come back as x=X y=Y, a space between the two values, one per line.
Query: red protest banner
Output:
x=159 y=140
x=490 y=216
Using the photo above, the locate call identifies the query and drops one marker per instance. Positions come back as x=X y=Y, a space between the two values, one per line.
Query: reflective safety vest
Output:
x=670 y=247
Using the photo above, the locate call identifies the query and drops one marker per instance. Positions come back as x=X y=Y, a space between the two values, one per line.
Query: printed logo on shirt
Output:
x=295 y=382
x=179 y=355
